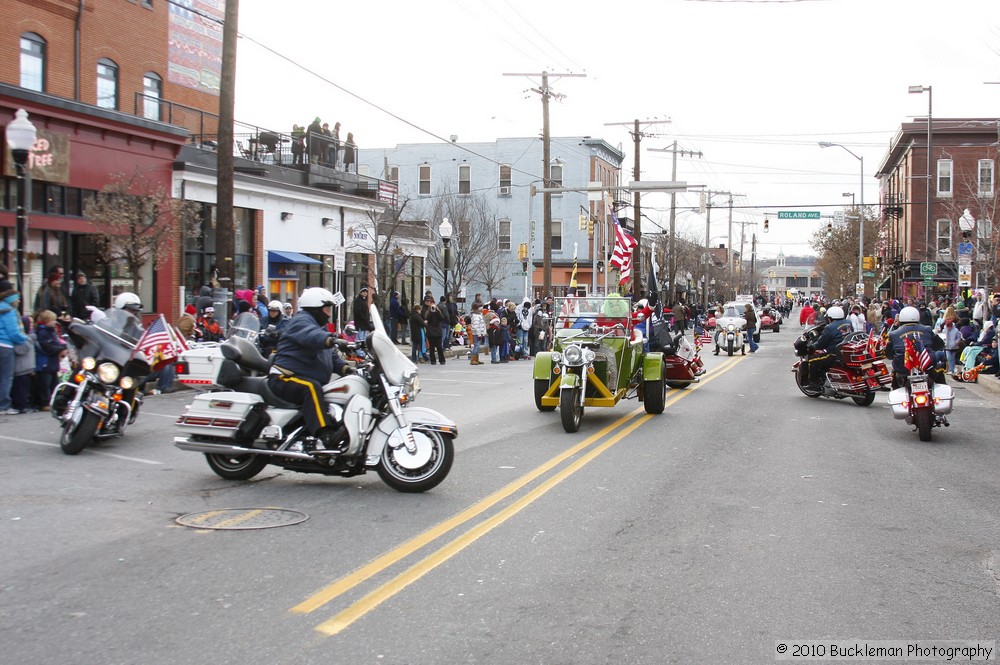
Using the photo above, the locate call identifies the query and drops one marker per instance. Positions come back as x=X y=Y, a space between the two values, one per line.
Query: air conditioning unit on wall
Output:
x=504 y=191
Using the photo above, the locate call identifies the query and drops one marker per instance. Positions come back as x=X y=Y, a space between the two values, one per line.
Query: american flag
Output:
x=621 y=258
x=913 y=360
x=160 y=344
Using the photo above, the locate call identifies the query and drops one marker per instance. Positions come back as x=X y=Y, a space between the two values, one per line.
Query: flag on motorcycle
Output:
x=160 y=344
x=871 y=343
x=924 y=360
x=621 y=257
x=910 y=355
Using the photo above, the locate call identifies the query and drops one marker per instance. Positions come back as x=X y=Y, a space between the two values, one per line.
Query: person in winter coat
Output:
x=416 y=335
x=84 y=295
x=506 y=345
x=751 y=317
x=362 y=316
x=807 y=316
x=50 y=349
x=493 y=335
x=52 y=296
x=524 y=316
x=11 y=335
x=271 y=328
x=478 y=325
x=208 y=329
x=397 y=319
x=24 y=371
x=204 y=300
x=433 y=328
x=857 y=319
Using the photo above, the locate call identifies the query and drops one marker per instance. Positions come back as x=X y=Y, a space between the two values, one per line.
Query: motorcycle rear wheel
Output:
x=866 y=399
x=75 y=439
x=923 y=419
x=236 y=467
x=654 y=395
x=421 y=479
x=570 y=409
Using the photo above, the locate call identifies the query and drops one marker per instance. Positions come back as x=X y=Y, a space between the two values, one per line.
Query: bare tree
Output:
x=475 y=244
x=136 y=222
x=838 y=252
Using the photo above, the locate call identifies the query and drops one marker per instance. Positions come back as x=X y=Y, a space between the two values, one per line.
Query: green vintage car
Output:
x=597 y=360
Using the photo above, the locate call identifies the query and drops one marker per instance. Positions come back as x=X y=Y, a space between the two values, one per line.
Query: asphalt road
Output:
x=745 y=515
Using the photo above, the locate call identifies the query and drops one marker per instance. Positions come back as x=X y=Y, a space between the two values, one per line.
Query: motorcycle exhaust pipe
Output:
x=184 y=443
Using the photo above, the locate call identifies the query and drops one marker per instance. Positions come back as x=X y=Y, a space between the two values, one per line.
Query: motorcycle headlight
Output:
x=556 y=358
x=574 y=355
x=88 y=364
x=108 y=372
x=411 y=385
x=731 y=328
x=588 y=356
x=127 y=383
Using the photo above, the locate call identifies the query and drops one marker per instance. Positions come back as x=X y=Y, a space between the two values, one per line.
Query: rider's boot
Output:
x=333 y=440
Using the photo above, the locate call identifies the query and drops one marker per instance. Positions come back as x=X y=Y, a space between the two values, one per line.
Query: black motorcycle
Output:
x=100 y=399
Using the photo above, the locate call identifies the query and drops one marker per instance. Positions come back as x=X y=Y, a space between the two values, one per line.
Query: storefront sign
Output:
x=48 y=160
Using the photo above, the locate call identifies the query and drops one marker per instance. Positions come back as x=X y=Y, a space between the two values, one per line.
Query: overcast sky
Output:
x=751 y=85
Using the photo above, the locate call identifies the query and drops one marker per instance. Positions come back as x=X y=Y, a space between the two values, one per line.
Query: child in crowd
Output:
x=505 y=340
x=48 y=352
x=493 y=335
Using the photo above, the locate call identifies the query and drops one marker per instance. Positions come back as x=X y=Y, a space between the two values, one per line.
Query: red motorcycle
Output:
x=858 y=374
x=681 y=359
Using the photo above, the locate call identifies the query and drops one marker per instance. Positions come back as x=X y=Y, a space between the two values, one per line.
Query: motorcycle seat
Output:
x=245 y=354
x=258 y=386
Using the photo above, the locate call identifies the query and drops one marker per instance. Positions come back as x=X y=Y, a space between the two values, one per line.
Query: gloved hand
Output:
x=347 y=369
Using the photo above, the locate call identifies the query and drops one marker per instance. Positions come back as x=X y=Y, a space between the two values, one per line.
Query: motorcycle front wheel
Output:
x=923 y=418
x=397 y=474
x=803 y=385
x=76 y=436
x=236 y=467
x=570 y=409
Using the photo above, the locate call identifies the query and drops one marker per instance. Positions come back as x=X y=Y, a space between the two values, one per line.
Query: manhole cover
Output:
x=242 y=518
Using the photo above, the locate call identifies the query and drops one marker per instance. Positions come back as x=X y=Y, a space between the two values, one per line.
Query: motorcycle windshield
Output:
x=112 y=338
x=246 y=325
x=392 y=361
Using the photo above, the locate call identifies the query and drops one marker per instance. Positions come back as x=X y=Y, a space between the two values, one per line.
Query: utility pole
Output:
x=545 y=92
x=224 y=232
x=637 y=136
x=671 y=263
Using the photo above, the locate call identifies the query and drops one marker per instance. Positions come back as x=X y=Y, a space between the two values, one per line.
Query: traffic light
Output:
x=829 y=228
x=590 y=225
x=766 y=222
x=522 y=251
x=583 y=222
x=868 y=263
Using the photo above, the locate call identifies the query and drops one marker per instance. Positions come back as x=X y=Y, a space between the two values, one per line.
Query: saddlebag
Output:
x=897 y=403
x=943 y=398
x=225 y=415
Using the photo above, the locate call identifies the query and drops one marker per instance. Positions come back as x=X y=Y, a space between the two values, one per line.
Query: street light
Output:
x=21 y=136
x=445 y=230
x=861 y=217
x=916 y=90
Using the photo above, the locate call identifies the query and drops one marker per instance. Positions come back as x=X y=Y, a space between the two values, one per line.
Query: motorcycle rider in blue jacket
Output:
x=827 y=343
x=305 y=361
x=923 y=337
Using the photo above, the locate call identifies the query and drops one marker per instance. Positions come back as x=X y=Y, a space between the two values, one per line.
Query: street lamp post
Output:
x=445 y=230
x=861 y=216
x=21 y=136
x=916 y=90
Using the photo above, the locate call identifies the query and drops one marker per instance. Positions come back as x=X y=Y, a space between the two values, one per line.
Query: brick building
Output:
x=94 y=77
x=955 y=232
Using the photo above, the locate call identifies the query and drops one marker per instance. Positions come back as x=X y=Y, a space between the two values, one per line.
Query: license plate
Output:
x=918 y=387
x=866 y=366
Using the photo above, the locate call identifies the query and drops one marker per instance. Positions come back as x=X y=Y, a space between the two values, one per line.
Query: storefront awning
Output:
x=884 y=286
x=290 y=257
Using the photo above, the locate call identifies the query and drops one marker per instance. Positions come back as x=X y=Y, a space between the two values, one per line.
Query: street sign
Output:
x=929 y=282
x=520 y=273
x=965 y=248
x=795 y=214
x=965 y=273
x=339 y=258
x=868 y=273
x=838 y=219
x=859 y=288
x=928 y=268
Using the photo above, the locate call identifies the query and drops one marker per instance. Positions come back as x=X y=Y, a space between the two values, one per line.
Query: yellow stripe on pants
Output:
x=320 y=411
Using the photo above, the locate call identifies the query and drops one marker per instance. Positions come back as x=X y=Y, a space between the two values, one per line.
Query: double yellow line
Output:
x=345 y=618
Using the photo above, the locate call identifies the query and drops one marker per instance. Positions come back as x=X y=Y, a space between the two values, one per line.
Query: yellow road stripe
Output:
x=237 y=519
x=348 y=582
x=204 y=516
x=421 y=568
x=393 y=556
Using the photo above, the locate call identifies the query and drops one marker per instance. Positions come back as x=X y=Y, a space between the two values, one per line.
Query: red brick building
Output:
x=95 y=77
x=963 y=177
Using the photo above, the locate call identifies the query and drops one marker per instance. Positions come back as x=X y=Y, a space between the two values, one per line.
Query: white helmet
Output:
x=128 y=301
x=835 y=312
x=275 y=304
x=909 y=315
x=316 y=297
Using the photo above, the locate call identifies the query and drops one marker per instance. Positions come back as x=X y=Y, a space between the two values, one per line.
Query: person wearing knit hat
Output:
x=11 y=335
